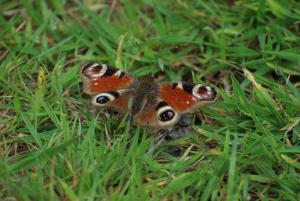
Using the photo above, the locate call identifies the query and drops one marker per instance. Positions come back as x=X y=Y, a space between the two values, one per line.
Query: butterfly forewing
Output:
x=186 y=97
x=101 y=77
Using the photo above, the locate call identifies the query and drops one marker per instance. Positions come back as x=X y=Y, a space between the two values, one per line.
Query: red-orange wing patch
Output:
x=121 y=103
x=177 y=98
x=186 y=97
x=101 y=84
x=145 y=118
x=99 y=78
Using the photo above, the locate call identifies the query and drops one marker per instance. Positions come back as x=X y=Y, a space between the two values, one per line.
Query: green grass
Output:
x=54 y=146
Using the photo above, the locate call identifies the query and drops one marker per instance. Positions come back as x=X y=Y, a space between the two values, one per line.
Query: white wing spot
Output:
x=179 y=85
x=209 y=90
x=195 y=91
x=101 y=73
x=118 y=73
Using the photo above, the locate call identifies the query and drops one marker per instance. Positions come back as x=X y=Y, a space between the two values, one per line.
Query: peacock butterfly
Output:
x=154 y=106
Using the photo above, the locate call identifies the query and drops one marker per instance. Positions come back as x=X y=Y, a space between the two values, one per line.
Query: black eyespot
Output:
x=102 y=99
x=166 y=115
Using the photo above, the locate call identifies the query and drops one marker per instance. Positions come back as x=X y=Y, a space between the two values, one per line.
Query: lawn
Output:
x=55 y=146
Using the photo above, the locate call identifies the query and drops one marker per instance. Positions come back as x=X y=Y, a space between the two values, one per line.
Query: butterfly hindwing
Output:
x=157 y=116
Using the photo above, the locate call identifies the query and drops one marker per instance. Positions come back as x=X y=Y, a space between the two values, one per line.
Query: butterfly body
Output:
x=144 y=96
x=151 y=105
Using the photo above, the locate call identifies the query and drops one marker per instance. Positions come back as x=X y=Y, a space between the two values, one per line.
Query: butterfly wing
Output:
x=108 y=86
x=173 y=100
x=186 y=97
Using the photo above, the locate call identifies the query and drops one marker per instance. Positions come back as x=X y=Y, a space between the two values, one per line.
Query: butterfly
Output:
x=154 y=106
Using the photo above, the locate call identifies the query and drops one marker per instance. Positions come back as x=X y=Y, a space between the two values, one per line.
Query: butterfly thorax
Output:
x=145 y=95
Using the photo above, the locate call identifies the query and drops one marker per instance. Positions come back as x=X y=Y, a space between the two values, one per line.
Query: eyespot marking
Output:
x=93 y=70
x=102 y=99
x=204 y=93
x=167 y=116
x=89 y=69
